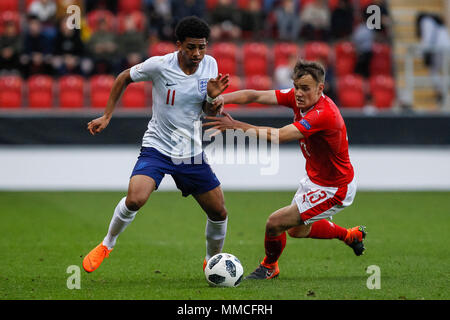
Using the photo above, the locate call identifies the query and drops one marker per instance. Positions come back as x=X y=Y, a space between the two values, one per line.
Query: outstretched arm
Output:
x=277 y=135
x=251 y=96
x=246 y=97
x=122 y=81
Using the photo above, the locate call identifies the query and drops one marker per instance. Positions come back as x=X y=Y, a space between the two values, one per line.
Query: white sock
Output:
x=122 y=217
x=215 y=236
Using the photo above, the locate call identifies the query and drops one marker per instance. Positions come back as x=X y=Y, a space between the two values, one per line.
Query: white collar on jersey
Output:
x=304 y=114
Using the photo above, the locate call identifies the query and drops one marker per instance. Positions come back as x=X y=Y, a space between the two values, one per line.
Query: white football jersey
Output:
x=175 y=128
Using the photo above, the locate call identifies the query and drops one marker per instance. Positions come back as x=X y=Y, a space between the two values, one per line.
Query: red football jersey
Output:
x=325 y=146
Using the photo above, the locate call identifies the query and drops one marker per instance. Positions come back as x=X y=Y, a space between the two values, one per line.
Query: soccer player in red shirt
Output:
x=329 y=185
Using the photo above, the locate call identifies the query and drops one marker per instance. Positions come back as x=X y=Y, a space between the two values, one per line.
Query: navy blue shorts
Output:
x=191 y=175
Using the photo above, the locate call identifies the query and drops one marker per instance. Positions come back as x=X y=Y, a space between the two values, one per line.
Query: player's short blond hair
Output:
x=313 y=68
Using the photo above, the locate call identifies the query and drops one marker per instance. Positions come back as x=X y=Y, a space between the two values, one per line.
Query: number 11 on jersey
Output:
x=170 y=100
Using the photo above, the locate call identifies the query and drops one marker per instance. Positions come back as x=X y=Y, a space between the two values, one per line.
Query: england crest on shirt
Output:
x=202 y=85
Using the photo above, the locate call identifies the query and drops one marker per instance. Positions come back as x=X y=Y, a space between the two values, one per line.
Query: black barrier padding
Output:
x=129 y=130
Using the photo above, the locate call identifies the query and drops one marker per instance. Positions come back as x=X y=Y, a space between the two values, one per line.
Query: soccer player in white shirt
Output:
x=184 y=83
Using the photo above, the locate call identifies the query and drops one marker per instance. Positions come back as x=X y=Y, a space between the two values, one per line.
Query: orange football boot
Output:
x=95 y=258
x=354 y=239
x=204 y=264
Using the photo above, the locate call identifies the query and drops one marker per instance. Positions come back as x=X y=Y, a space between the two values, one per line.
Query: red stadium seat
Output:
x=128 y=6
x=225 y=50
x=40 y=91
x=100 y=88
x=382 y=89
x=227 y=65
x=211 y=4
x=317 y=50
x=332 y=4
x=95 y=16
x=345 y=55
x=256 y=58
x=258 y=82
x=381 y=62
x=28 y=3
x=9 y=16
x=10 y=91
x=71 y=91
x=243 y=4
x=137 y=16
x=161 y=48
x=282 y=51
x=363 y=4
x=235 y=84
x=134 y=95
x=226 y=54
x=350 y=91
x=304 y=3
x=9 y=5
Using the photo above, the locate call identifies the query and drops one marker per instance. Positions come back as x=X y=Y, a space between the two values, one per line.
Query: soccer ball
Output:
x=224 y=270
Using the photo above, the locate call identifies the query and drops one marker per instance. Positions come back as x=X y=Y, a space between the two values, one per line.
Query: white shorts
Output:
x=317 y=202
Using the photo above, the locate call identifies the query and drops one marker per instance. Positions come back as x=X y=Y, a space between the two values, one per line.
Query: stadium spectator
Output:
x=252 y=19
x=69 y=50
x=45 y=11
x=363 y=39
x=283 y=73
x=225 y=21
x=102 y=48
x=342 y=20
x=68 y=40
x=160 y=16
x=36 y=57
x=34 y=40
x=132 y=44
x=269 y=5
x=288 y=21
x=186 y=8
x=315 y=18
x=10 y=48
x=434 y=41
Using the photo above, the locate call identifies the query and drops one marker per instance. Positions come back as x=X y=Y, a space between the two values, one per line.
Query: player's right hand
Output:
x=218 y=85
x=97 y=125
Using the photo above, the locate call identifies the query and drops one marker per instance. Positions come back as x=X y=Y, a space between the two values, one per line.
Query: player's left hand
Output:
x=217 y=85
x=219 y=124
x=218 y=104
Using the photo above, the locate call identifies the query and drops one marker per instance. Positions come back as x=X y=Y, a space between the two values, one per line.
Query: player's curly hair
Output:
x=313 y=68
x=192 y=27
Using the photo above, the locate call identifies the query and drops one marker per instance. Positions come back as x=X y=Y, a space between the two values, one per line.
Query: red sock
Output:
x=274 y=247
x=324 y=229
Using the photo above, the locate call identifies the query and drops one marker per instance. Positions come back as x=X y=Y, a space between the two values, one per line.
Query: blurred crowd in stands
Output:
x=116 y=34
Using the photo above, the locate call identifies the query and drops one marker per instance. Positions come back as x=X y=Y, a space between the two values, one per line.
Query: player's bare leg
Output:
x=139 y=189
x=275 y=241
x=213 y=203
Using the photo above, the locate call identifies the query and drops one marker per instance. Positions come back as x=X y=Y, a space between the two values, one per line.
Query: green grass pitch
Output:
x=160 y=255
